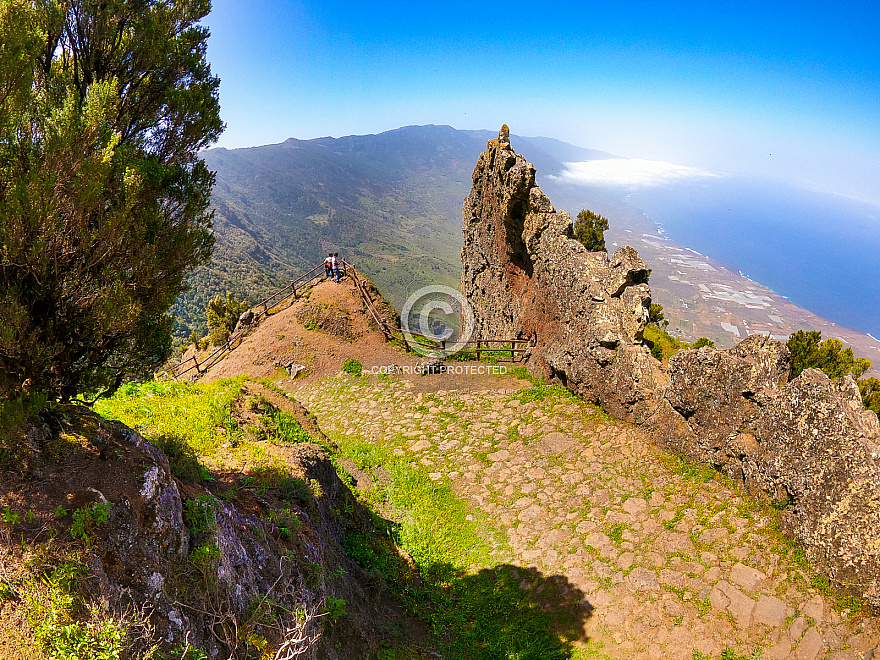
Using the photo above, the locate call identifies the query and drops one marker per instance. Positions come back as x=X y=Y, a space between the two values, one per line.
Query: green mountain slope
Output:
x=390 y=203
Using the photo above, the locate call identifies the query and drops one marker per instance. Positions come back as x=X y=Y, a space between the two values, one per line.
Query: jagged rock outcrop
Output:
x=526 y=276
x=197 y=566
x=809 y=444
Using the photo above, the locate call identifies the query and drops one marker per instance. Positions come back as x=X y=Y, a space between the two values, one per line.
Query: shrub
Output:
x=85 y=519
x=589 y=229
x=655 y=315
x=205 y=557
x=198 y=514
x=828 y=356
x=104 y=204
x=353 y=367
x=223 y=316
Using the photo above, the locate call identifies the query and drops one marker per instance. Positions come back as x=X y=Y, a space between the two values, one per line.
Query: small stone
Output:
x=796 y=629
x=420 y=445
x=625 y=560
x=746 y=576
x=500 y=455
x=779 y=651
x=641 y=579
x=635 y=506
x=557 y=443
x=846 y=654
x=672 y=578
x=810 y=646
x=770 y=611
x=724 y=596
x=815 y=609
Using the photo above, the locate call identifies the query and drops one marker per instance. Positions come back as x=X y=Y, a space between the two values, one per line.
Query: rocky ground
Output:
x=673 y=562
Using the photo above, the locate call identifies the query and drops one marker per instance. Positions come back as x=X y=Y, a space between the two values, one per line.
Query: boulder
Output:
x=525 y=276
x=807 y=444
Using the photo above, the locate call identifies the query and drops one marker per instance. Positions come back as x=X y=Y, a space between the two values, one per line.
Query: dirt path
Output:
x=674 y=565
x=322 y=329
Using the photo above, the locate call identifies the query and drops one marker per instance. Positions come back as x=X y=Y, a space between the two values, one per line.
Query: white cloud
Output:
x=628 y=172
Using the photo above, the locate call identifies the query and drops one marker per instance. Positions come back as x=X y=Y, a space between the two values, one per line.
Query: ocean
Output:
x=818 y=250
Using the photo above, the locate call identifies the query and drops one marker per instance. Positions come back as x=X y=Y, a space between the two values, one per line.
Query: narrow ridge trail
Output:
x=673 y=562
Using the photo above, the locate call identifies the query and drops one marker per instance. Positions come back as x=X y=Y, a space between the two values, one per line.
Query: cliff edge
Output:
x=808 y=444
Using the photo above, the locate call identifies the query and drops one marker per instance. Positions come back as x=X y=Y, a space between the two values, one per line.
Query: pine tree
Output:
x=104 y=107
x=589 y=229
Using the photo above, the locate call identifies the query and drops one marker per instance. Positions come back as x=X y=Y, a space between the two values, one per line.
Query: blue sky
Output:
x=778 y=89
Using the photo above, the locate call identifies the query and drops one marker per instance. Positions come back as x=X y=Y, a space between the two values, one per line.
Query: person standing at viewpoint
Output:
x=334 y=264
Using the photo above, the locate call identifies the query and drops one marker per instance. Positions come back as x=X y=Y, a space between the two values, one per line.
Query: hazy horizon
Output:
x=785 y=91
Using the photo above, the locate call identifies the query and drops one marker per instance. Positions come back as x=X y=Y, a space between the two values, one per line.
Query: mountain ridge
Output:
x=391 y=202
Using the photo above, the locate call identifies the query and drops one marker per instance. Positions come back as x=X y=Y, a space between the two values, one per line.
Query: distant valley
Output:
x=391 y=203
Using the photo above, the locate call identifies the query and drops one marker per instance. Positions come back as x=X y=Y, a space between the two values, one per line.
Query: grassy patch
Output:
x=474 y=610
x=353 y=367
x=540 y=390
x=664 y=345
x=63 y=626
x=191 y=413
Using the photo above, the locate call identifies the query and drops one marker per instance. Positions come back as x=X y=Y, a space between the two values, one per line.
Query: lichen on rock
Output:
x=807 y=444
x=526 y=276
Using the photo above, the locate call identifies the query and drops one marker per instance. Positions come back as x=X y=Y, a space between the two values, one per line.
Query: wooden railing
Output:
x=427 y=342
x=260 y=310
x=480 y=346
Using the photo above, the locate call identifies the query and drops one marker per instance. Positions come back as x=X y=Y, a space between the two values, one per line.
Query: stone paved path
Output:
x=672 y=564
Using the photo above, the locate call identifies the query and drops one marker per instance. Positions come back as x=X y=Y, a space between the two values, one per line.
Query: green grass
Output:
x=474 y=609
x=191 y=413
x=540 y=390
x=664 y=344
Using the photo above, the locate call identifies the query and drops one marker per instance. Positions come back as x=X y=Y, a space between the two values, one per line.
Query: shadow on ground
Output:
x=510 y=612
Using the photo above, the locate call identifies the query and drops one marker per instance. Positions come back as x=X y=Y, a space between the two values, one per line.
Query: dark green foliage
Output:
x=223 y=316
x=103 y=198
x=704 y=341
x=335 y=609
x=829 y=356
x=353 y=367
x=198 y=514
x=589 y=229
x=655 y=315
x=870 y=391
x=84 y=521
x=809 y=352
